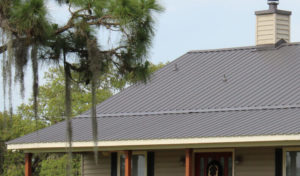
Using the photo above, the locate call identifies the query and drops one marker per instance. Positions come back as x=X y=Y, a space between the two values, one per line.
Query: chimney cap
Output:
x=273 y=2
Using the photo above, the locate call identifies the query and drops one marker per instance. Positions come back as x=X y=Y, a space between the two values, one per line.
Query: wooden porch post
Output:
x=28 y=157
x=188 y=162
x=128 y=155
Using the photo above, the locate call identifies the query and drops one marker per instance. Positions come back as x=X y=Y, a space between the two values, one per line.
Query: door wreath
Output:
x=214 y=168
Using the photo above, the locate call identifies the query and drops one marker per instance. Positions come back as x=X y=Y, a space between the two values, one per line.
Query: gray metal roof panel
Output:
x=179 y=125
x=254 y=78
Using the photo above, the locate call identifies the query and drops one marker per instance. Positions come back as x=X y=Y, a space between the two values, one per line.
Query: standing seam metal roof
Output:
x=229 y=92
x=179 y=125
x=255 y=78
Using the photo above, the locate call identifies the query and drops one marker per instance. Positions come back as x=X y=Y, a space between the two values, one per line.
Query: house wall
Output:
x=255 y=161
x=167 y=163
x=89 y=167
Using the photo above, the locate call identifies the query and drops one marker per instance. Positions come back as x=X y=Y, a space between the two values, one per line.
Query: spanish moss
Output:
x=21 y=53
x=9 y=71
x=68 y=105
x=4 y=76
x=94 y=119
x=95 y=66
x=35 y=85
x=28 y=30
x=4 y=83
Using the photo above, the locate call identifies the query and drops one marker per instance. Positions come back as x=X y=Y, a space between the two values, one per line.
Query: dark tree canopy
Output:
x=28 y=35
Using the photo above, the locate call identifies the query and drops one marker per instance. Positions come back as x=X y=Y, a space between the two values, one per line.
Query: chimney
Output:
x=272 y=25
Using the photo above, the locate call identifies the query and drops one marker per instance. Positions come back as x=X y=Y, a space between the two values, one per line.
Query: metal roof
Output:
x=216 y=79
x=169 y=126
x=212 y=93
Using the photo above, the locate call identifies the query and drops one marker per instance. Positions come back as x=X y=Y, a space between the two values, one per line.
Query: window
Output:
x=138 y=164
x=293 y=163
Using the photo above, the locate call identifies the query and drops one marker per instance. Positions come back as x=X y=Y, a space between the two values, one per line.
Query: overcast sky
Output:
x=195 y=25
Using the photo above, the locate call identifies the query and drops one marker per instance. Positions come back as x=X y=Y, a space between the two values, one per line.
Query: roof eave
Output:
x=211 y=142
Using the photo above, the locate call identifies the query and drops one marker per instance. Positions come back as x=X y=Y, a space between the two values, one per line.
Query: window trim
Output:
x=284 y=150
x=145 y=153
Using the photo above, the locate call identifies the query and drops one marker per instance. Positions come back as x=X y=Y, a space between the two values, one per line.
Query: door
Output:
x=213 y=164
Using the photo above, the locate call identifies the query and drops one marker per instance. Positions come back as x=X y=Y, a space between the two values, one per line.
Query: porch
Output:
x=241 y=161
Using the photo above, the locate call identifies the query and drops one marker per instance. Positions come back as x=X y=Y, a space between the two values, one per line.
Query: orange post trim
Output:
x=188 y=162
x=128 y=155
x=28 y=171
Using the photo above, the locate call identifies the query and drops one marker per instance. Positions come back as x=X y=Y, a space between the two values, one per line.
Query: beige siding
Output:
x=255 y=161
x=271 y=28
x=265 y=29
x=167 y=163
x=283 y=27
x=91 y=169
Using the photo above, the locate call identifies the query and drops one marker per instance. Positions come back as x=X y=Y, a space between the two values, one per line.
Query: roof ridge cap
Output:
x=237 y=48
x=195 y=111
x=223 y=49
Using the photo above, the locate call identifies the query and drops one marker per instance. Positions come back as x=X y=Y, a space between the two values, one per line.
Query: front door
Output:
x=213 y=164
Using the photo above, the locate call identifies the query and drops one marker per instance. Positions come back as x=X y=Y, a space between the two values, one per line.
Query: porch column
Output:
x=188 y=162
x=28 y=157
x=128 y=155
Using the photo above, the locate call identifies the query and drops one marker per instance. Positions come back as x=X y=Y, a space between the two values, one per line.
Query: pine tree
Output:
x=27 y=34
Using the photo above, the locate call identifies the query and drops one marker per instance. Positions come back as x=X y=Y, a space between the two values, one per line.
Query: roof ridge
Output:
x=196 y=111
x=223 y=49
x=237 y=48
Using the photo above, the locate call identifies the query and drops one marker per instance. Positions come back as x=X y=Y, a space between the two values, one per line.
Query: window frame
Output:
x=284 y=150
x=145 y=153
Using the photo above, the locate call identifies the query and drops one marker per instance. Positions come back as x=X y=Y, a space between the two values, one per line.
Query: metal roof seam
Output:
x=255 y=108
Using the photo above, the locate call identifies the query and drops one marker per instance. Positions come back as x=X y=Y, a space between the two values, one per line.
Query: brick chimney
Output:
x=272 y=25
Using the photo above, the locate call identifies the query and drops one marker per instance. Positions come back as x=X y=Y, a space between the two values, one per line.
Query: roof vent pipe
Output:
x=273 y=4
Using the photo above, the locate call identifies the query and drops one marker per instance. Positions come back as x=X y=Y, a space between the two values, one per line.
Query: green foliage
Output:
x=17 y=126
x=119 y=83
x=51 y=105
x=77 y=48
x=29 y=18
x=52 y=98
x=56 y=165
x=12 y=163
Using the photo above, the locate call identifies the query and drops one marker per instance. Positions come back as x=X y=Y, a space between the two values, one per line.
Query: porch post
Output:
x=128 y=155
x=28 y=157
x=188 y=162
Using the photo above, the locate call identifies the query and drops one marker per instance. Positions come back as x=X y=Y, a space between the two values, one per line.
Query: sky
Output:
x=191 y=25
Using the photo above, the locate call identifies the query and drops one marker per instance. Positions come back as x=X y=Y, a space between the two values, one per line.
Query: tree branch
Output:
x=101 y=21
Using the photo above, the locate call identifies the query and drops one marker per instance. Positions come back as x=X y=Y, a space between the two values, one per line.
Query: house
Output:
x=223 y=112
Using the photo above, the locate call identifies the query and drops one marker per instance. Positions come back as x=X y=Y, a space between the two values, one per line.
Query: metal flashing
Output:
x=272 y=11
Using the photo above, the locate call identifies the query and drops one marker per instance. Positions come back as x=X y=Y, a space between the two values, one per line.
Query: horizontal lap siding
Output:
x=265 y=29
x=167 y=163
x=255 y=161
x=91 y=169
x=283 y=27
